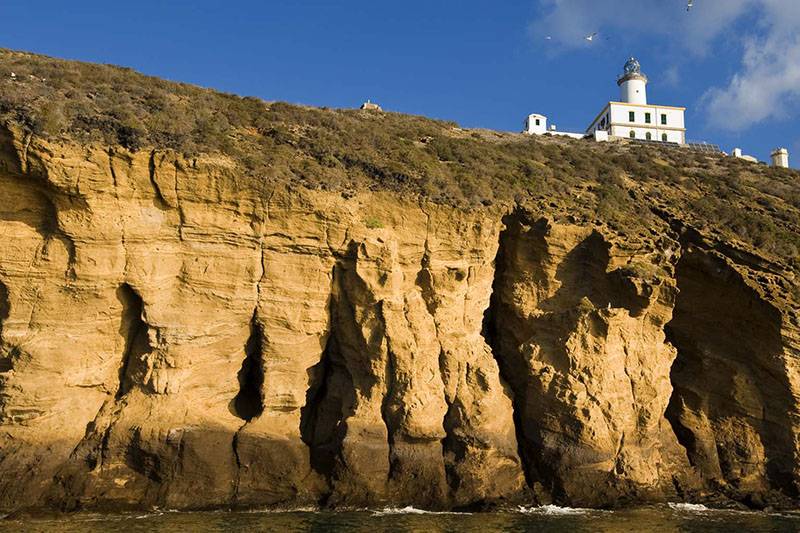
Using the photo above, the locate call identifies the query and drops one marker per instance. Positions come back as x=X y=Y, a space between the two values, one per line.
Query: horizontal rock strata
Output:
x=173 y=336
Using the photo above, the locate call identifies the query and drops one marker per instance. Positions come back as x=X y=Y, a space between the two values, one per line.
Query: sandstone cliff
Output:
x=175 y=333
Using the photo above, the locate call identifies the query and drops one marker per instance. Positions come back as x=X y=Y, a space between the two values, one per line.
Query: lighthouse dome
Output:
x=632 y=71
x=632 y=66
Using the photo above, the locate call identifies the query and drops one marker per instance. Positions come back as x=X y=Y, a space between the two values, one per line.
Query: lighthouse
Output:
x=633 y=84
x=633 y=118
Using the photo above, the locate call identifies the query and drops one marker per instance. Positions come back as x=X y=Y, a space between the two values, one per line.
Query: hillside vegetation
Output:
x=622 y=185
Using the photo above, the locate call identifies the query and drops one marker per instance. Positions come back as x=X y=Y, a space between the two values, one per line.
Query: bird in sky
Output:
x=549 y=38
x=591 y=37
x=689 y=5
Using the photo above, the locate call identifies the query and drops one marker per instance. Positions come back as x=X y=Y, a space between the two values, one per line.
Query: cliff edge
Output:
x=212 y=301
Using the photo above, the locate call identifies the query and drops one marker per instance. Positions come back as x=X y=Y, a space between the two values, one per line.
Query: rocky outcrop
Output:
x=578 y=326
x=734 y=404
x=175 y=336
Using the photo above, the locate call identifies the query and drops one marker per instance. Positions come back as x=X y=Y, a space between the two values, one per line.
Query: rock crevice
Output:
x=249 y=402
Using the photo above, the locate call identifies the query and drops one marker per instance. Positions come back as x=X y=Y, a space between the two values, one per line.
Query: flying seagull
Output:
x=590 y=37
x=689 y=5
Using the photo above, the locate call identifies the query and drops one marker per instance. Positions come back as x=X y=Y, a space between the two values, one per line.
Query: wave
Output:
x=282 y=510
x=148 y=515
x=410 y=510
x=700 y=508
x=555 y=510
x=690 y=507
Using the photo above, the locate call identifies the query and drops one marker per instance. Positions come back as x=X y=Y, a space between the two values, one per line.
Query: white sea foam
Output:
x=554 y=510
x=148 y=515
x=409 y=510
x=282 y=510
x=690 y=507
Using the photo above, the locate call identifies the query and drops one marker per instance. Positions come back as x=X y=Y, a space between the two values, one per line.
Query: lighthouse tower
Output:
x=633 y=84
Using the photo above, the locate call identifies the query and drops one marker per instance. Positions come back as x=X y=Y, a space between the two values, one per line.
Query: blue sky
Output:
x=734 y=63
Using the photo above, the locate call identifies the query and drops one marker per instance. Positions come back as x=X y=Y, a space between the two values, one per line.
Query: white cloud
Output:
x=767 y=87
x=672 y=76
x=568 y=21
x=767 y=84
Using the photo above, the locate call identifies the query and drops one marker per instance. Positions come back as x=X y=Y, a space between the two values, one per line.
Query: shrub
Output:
x=373 y=223
x=49 y=120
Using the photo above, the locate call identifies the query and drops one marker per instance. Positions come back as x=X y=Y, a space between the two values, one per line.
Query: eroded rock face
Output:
x=175 y=336
x=737 y=427
x=578 y=330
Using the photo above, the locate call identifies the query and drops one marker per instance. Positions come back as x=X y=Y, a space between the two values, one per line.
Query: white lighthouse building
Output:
x=632 y=117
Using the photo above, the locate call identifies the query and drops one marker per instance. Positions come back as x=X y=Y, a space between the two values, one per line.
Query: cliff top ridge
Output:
x=626 y=186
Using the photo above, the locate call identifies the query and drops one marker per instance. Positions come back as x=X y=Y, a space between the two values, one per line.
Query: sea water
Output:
x=666 y=518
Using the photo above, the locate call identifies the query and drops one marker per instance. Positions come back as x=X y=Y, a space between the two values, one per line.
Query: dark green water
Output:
x=648 y=519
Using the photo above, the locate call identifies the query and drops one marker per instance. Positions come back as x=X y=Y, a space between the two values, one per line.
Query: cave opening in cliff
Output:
x=249 y=402
x=321 y=416
x=731 y=399
x=133 y=330
x=330 y=390
x=512 y=371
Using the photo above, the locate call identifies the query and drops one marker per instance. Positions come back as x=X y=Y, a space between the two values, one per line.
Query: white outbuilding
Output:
x=536 y=124
x=738 y=154
x=632 y=117
x=369 y=105
x=780 y=158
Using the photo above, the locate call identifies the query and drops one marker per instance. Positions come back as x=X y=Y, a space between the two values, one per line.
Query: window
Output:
x=664 y=136
x=648 y=136
x=664 y=120
x=537 y=122
x=633 y=134
x=647 y=118
x=631 y=116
